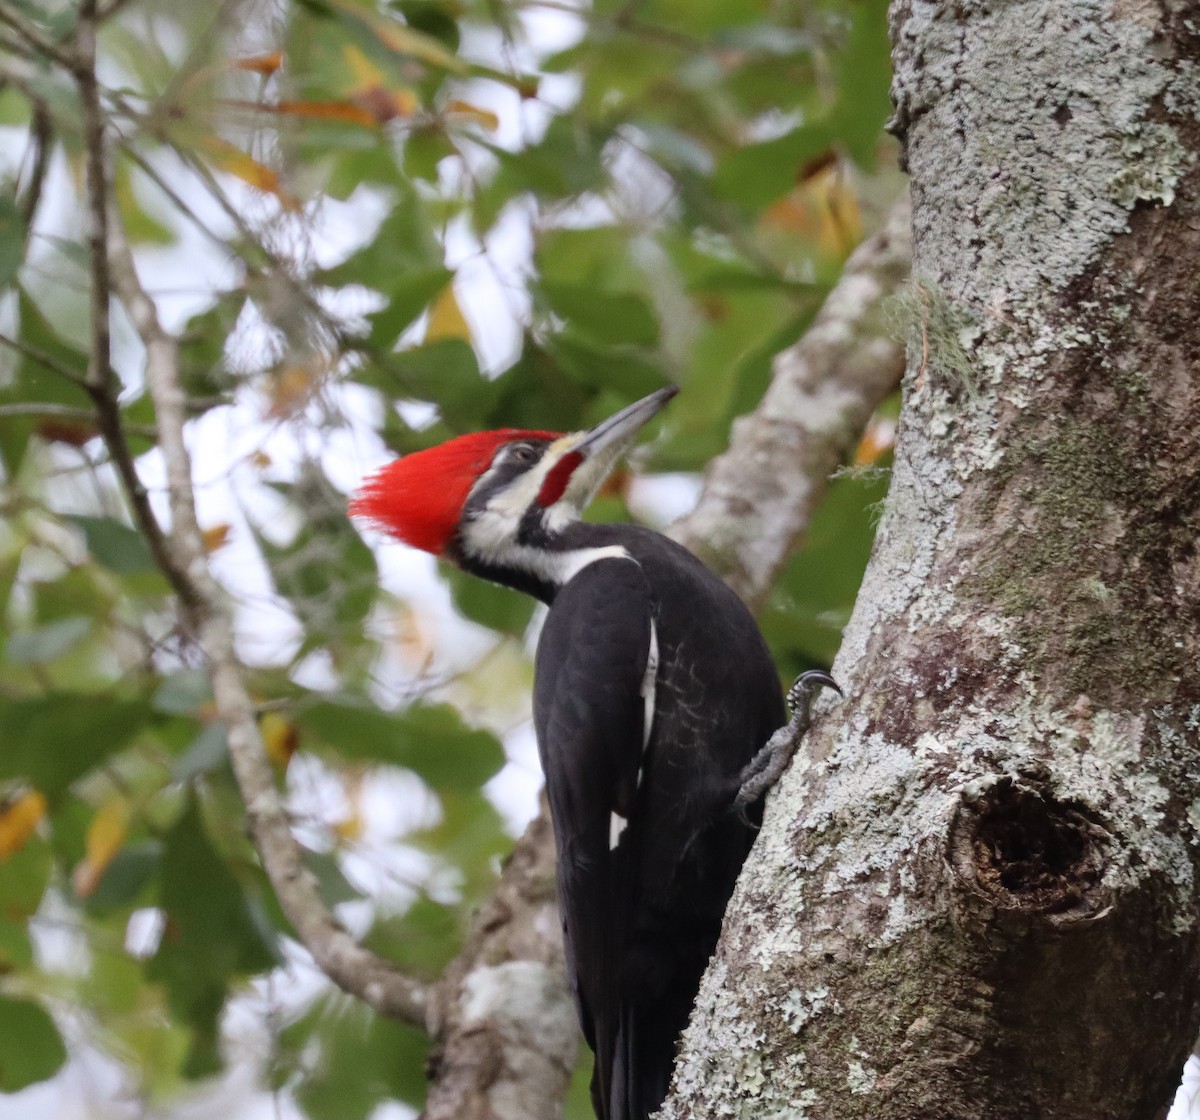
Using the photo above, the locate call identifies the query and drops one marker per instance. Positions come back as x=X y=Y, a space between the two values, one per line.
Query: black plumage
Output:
x=641 y=919
x=653 y=691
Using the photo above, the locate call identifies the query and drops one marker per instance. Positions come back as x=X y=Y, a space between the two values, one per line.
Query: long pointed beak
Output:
x=603 y=445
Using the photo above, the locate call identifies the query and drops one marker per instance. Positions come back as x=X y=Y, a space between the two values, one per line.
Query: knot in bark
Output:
x=1020 y=849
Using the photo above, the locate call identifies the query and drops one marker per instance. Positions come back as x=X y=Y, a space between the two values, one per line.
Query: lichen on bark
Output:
x=975 y=894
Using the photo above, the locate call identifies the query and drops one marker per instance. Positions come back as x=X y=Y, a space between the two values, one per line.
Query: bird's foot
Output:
x=767 y=767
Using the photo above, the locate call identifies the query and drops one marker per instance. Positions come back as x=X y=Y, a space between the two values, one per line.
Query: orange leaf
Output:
x=877 y=441
x=446 y=319
x=280 y=738
x=260 y=63
x=248 y=169
x=291 y=388
x=342 y=111
x=105 y=835
x=18 y=820
x=464 y=110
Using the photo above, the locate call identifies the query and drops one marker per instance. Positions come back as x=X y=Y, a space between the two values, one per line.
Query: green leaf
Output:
x=758 y=174
x=184 y=692
x=207 y=751
x=363 y=1059
x=211 y=936
x=33 y=1049
x=51 y=740
x=608 y=318
x=332 y=883
x=46 y=643
x=408 y=295
x=499 y=608
x=16 y=952
x=471 y=837
x=12 y=238
x=126 y=877
x=422 y=940
x=24 y=877
x=431 y=740
x=115 y=545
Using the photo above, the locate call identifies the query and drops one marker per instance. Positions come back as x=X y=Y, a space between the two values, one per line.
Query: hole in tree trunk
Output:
x=1026 y=850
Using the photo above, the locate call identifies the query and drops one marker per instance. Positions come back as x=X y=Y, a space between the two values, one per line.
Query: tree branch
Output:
x=504 y=1022
x=759 y=496
x=183 y=560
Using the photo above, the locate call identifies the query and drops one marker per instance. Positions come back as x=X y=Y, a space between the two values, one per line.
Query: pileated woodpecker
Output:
x=654 y=695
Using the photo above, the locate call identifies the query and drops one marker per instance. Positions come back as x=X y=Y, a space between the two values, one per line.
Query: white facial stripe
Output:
x=515 y=499
x=491 y=536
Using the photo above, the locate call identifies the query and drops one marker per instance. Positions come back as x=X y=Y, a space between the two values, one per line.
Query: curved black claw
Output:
x=766 y=767
x=809 y=682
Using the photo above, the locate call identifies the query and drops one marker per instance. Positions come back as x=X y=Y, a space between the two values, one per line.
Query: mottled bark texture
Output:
x=975 y=895
x=504 y=1026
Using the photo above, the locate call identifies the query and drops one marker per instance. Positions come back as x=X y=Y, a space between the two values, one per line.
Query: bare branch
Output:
x=100 y=372
x=759 y=496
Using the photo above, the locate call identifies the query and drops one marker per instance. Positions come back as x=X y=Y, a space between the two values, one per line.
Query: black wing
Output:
x=589 y=711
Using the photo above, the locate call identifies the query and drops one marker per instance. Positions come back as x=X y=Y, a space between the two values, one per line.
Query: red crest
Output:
x=419 y=499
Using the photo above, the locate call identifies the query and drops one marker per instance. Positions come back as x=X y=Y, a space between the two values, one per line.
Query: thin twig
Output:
x=43 y=359
x=100 y=371
x=40 y=133
x=53 y=411
x=40 y=42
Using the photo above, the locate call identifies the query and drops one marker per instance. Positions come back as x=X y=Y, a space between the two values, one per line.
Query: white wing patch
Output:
x=649 y=690
x=616 y=825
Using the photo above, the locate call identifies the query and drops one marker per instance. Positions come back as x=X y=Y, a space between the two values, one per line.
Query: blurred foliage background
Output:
x=374 y=225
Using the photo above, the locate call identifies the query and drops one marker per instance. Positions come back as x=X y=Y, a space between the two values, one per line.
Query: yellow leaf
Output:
x=18 y=820
x=402 y=39
x=216 y=536
x=822 y=208
x=105 y=835
x=260 y=63
x=446 y=318
x=280 y=738
x=465 y=111
x=364 y=70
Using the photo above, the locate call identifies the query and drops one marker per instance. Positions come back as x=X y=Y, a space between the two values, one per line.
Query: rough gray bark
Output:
x=503 y=1020
x=975 y=895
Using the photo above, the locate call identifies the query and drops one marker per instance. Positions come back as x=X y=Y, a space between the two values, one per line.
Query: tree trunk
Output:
x=975 y=893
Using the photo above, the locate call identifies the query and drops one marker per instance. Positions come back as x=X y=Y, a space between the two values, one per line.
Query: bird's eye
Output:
x=524 y=454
